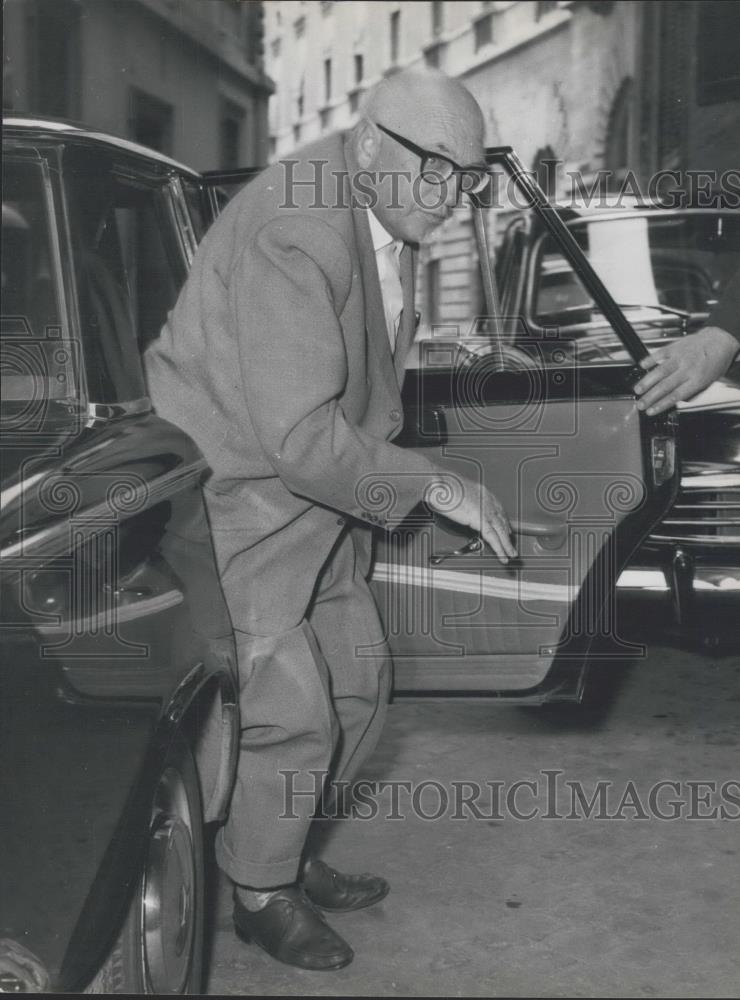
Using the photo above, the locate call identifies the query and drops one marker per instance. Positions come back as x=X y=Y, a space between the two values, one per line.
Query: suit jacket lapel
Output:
x=407 y=326
x=375 y=325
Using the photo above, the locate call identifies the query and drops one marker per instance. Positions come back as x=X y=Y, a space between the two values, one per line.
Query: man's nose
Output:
x=452 y=190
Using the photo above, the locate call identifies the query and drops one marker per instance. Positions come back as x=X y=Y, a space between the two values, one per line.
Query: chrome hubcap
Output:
x=169 y=884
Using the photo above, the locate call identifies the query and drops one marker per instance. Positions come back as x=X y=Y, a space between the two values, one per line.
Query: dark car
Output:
x=118 y=694
x=666 y=266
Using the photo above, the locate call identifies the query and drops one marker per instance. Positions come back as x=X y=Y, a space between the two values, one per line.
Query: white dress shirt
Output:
x=387 y=257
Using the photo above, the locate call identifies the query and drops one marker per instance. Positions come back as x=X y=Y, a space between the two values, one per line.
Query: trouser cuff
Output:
x=254 y=874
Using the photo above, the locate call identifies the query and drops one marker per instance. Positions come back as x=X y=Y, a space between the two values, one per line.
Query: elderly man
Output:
x=283 y=359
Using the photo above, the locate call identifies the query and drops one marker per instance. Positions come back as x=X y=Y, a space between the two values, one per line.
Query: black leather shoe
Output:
x=293 y=931
x=333 y=891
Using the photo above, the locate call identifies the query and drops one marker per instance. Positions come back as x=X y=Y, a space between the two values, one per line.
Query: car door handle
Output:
x=474 y=544
x=536 y=529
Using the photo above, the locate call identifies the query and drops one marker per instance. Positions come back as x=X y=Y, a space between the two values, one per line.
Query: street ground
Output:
x=496 y=904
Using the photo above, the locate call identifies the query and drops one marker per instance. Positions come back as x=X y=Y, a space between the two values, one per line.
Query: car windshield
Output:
x=664 y=265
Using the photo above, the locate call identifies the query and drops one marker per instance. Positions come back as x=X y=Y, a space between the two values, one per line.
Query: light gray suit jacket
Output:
x=276 y=360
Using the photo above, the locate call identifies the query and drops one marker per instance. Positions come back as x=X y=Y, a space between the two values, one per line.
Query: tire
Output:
x=160 y=948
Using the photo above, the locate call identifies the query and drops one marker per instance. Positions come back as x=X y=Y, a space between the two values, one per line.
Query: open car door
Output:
x=582 y=473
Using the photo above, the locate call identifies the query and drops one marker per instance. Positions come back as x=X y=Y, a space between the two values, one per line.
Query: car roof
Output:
x=59 y=127
x=614 y=206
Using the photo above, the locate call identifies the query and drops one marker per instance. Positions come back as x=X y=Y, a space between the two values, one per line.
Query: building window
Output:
x=432 y=279
x=718 y=64
x=275 y=48
x=325 y=117
x=53 y=58
x=300 y=101
x=434 y=54
x=327 y=79
x=359 y=68
x=543 y=7
x=483 y=31
x=395 y=35
x=253 y=31
x=438 y=16
x=231 y=129
x=151 y=121
x=299 y=27
x=273 y=146
x=231 y=13
x=296 y=133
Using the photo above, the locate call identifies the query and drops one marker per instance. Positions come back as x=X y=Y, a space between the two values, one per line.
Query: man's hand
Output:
x=685 y=367
x=479 y=510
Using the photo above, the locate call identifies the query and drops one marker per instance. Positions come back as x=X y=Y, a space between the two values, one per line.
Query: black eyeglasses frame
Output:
x=480 y=174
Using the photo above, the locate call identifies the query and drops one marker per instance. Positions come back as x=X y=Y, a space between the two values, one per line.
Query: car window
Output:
x=129 y=271
x=450 y=303
x=510 y=263
x=195 y=199
x=656 y=264
x=37 y=363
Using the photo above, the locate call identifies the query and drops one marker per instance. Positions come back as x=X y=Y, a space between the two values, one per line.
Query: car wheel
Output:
x=160 y=948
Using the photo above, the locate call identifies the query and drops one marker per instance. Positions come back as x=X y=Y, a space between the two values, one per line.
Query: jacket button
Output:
x=395 y=415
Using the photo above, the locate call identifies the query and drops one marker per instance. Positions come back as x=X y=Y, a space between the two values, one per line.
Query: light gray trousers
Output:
x=313 y=700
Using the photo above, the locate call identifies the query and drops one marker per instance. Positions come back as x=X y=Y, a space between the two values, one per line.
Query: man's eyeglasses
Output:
x=436 y=168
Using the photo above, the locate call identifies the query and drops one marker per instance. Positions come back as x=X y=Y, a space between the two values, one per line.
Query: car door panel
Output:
x=111 y=605
x=571 y=465
x=582 y=474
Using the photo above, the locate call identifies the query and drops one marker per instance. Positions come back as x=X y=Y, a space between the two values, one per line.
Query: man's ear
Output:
x=366 y=142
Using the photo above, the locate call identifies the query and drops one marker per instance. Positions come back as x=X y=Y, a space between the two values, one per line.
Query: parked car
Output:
x=118 y=698
x=667 y=267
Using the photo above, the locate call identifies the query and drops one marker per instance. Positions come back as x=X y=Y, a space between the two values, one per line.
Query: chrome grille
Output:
x=707 y=511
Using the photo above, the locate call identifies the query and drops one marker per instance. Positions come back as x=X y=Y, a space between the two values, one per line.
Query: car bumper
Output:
x=707 y=580
x=684 y=601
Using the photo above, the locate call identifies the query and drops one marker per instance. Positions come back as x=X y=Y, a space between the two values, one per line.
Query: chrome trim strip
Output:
x=181 y=218
x=110 y=617
x=473 y=583
x=11 y=493
x=54 y=540
x=701 y=522
x=723 y=540
x=113 y=411
x=713 y=481
x=720 y=579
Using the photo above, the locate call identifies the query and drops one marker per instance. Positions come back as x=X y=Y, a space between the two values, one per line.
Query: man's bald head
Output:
x=435 y=114
x=432 y=109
